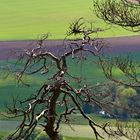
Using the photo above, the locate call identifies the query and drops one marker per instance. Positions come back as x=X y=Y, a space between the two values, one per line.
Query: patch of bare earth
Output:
x=13 y=49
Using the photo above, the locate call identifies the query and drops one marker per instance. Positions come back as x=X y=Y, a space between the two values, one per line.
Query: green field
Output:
x=77 y=138
x=24 y=20
x=9 y=86
x=27 y=20
x=75 y=132
x=78 y=130
x=88 y=70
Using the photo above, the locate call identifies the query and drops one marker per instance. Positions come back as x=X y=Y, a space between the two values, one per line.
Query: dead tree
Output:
x=57 y=91
x=130 y=78
x=121 y=12
x=125 y=13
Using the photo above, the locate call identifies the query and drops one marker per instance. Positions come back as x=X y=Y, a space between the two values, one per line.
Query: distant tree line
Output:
x=125 y=102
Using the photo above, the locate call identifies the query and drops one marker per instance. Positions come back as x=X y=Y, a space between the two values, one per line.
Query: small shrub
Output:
x=42 y=136
x=3 y=135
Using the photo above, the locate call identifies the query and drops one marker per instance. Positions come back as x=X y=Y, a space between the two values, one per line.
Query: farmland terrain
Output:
x=9 y=50
x=22 y=23
x=26 y=20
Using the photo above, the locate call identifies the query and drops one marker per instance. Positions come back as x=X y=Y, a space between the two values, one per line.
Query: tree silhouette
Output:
x=58 y=90
x=125 y=13
x=121 y=12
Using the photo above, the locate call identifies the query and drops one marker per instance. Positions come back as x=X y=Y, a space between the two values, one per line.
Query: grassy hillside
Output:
x=88 y=70
x=20 y=20
x=75 y=132
x=9 y=87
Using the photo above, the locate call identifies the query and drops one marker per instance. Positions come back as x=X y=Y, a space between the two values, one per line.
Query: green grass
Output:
x=90 y=71
x=3 y=135
x=9 y=86
x=22 y=20
x=77 y=138
x=76 y=131
x=79 y=132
